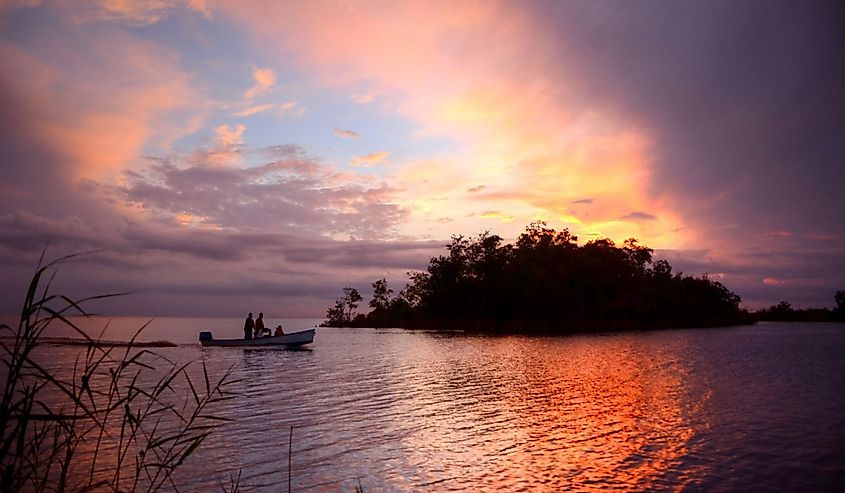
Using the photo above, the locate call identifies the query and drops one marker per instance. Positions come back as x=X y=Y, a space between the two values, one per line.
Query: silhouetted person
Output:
x=279 y=331
x=259 y=325
x=249 y=326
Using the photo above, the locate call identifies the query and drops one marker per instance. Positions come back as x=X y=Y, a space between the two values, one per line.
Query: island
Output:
x=545 y=282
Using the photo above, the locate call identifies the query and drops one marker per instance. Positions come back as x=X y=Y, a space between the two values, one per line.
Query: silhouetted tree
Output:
x=351 y=298
x=839 y=310
x=381 y=295
x=341 y=314
x=336 y=315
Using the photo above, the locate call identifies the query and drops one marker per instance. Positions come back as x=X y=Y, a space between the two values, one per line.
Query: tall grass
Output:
x=116 y=421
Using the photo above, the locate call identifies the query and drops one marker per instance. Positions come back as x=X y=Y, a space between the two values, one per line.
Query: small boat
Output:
x=294 y=339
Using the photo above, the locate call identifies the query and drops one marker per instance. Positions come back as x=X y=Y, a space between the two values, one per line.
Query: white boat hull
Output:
x=294 y=339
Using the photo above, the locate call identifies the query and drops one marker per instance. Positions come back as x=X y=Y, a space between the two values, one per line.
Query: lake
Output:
x=757 y=408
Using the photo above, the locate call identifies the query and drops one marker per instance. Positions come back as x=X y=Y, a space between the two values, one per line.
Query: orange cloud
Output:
x=535 y=145
x=265 y=79
x=371 y=159
x=496 y=215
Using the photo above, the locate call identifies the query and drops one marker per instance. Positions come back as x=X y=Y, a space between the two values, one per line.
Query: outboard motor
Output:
x=206 y=336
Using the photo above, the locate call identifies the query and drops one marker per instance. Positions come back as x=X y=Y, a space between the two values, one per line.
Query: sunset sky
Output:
x=261 y=155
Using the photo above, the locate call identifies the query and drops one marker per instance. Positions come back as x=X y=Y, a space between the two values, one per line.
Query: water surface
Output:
x=745 y=408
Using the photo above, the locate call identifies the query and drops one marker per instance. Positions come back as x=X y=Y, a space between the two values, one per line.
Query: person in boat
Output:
x=249 y=326
x=279 y=331
x=259 y=326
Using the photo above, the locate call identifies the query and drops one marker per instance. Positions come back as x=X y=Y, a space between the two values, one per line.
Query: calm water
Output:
x=757 y=408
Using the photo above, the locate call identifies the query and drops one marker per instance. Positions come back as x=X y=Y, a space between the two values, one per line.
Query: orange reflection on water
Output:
x=584 y=413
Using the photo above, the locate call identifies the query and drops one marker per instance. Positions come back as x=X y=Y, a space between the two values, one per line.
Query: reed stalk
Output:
x=116 y=421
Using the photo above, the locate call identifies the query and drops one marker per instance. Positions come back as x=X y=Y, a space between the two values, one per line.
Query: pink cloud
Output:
x=226 y=136
x=777 y=234
x=102 y=109
x=255 y=109
x=364 y=98
x=346 y=134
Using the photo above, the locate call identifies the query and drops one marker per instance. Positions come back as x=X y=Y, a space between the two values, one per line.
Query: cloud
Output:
x=496 y=215
x=518 y=125
x=200 y=6
x=7 y=5
x=125 y=93
x=763 y=158
x=278 y=109
x=640 y=216
x=226 y=150
x=545 y=104
x=294 y=194
x=371 y=159
x=363 y=98
x=265 y=79
x=293 y=108
x=130 y=12
x=820 y=236
x=184 y=233
x=282 y=151
x=184 y=271
x=805 y=274
x=776 y=234
x=346 y=134
x=537 y=111
x=228 y=137
x=252 y=110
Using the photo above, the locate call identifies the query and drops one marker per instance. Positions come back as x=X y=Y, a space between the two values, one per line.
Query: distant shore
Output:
x=71 y=341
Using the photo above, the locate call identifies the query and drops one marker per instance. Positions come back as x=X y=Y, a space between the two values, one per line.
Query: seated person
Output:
x=279 y=331
x=259 y=326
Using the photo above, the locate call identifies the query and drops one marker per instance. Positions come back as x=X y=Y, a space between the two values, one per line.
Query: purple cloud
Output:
x=297 y=195
x=639 y=216
x=742 y=100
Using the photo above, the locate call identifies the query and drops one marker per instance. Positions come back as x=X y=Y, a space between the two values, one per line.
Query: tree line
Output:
x=783 y=312
x=544 y=282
